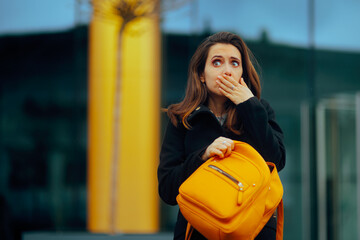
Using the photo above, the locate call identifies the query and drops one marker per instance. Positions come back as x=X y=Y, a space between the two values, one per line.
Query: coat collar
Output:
x=201 y=109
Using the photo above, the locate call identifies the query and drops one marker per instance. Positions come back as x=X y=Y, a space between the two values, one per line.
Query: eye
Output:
x=235 y=63
x=217 y=63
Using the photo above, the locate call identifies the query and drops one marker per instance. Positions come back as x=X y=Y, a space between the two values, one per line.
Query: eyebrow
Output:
x=219 y=56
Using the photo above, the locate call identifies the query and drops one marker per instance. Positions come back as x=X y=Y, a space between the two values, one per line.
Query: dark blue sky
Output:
x=286 y=21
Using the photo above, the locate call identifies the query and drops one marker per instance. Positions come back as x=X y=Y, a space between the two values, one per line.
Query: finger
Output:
x=220 y=141
x=232 y=144
x=242 y=82
x=219 y=144
x=232 y=80
x=216 y=152
x=225 y=150
x=228 y=146
x=229 y=142
x=228 y=152
x=223 y=86
x=226 y=82
x=225 y=93
x=222 y=147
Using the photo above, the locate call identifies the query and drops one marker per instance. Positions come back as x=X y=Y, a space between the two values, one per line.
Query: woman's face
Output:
x=222 y=59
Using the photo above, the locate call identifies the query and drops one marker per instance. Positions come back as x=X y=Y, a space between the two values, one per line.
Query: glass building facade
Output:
x=309 y=54
x=310 y=77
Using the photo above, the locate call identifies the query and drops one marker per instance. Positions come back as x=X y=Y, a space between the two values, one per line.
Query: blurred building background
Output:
x=309 y=53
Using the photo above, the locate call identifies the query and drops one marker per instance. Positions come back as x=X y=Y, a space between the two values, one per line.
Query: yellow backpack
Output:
x=234 y=197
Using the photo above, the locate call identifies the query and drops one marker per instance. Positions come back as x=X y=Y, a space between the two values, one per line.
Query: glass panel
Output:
x=337 y=168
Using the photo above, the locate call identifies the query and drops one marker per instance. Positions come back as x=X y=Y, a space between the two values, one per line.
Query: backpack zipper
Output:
x=240 y=185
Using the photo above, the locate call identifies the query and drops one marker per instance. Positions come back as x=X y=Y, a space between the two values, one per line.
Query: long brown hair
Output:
x=197 y=93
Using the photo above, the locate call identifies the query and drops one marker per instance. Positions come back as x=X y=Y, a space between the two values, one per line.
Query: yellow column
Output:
x=137 y=198
x=102 y=73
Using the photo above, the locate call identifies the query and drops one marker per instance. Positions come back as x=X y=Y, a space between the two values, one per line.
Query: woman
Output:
x=222 y=103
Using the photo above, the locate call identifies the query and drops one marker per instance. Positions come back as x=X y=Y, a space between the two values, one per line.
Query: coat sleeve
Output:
x=175 y=167
x=259 y=123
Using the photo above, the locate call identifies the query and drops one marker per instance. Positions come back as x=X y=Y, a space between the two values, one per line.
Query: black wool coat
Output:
x=182 y=148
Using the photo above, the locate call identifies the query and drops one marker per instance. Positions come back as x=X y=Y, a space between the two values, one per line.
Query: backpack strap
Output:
x=189 y=231
x=280 y=221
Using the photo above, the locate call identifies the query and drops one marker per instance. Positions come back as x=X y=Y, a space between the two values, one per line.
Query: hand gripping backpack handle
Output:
x=223 y=195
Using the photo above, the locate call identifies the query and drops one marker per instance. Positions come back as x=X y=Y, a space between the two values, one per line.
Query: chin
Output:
x=217 y=94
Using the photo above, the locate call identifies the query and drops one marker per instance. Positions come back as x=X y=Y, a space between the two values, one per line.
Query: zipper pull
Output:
x=240 y=193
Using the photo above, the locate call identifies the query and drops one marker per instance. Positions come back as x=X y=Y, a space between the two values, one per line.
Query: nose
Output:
x=227 y=70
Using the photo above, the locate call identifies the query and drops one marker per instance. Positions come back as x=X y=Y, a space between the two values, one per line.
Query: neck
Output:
x=217 y=105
